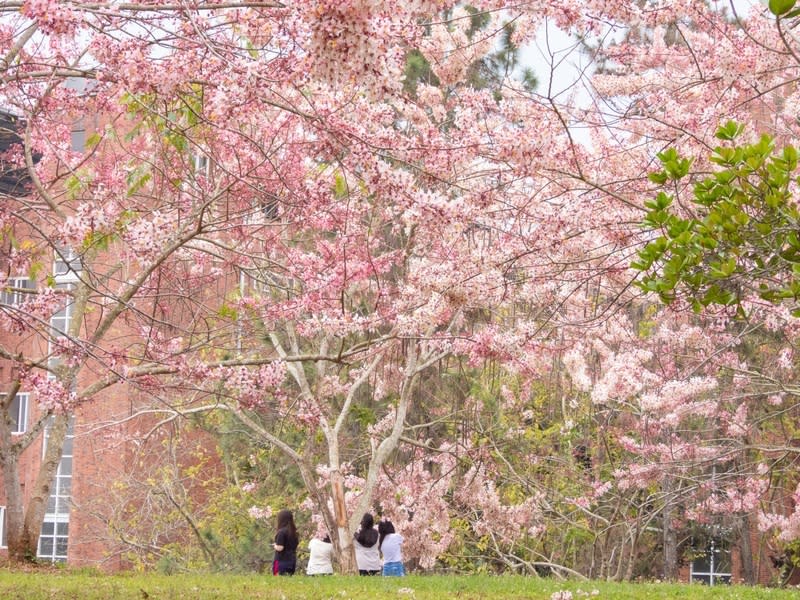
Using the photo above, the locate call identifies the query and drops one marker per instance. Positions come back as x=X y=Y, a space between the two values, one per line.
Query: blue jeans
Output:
x=393 y=569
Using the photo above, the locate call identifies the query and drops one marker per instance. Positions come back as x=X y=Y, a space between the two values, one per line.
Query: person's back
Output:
x=285 y=545
x=319 y=560
x=391 y=547
x=368 y=555
x=368 y=558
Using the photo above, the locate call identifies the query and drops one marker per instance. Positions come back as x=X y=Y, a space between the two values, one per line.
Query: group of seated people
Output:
x=377 y=550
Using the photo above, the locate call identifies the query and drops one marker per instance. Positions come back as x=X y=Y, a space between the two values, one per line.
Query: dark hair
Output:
x=286 y=520
x=384 y=529
x=366 y=534
x=327 y=539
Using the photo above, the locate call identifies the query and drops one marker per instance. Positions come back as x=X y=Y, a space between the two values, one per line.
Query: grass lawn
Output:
x=58 y=585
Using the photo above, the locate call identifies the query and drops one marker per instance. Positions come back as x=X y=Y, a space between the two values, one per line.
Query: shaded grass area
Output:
x=56 y=585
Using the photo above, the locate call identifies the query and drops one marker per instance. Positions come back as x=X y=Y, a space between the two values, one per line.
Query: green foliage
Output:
x=738 y=233
x=488 y=72
x=241 y=543
x=171 y=120
x=417 y=70
x=138 y=178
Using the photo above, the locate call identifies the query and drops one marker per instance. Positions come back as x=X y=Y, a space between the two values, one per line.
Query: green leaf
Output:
x=93 y=140
x=137 y=180
x=729 y=131
x=790 y=156
x=73 y=185
x=668 y=155
x=781 y=7
x=340 y=186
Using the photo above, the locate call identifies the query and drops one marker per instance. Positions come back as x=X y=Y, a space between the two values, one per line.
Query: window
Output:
x=54 y=537
x=713 y=566
x=270 y=204
x=3 y=528
x=18 y=411
x=66 y=264
x=13 y=294
x=78 y=136
x=61 y=319
x=201 y=164
x=53 y=541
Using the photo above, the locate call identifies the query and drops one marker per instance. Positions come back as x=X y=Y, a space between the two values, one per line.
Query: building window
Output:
x=54 y=537
x=78 y=136
x=18 y=411
x=3 y=528
x=66 y=264
x=201 y=164
x=713 y=565
x=53 y=541
x=13 y=293
x=59 y=322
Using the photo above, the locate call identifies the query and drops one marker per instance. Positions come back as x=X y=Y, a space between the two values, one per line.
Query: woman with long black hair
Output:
x=285 y=545
x=368 y=557
x=391 y=547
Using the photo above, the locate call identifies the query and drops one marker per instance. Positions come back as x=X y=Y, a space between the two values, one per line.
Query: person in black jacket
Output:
x=285 y=545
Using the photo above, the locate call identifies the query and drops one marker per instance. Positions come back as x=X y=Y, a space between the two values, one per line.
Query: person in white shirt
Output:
x=319 y=559
x=368 y=556
x=391 y=547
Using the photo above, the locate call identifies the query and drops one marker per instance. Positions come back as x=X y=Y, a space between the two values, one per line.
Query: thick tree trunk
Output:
x=746 y=550
x=670 y=538
x=37 y=505
x=347 y=558
x=15 y=512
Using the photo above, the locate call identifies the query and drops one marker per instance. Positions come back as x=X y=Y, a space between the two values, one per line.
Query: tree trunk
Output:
x=670 y=539
x=15 y=512
x=347 y=558
x=746 y=550
x=37 y=505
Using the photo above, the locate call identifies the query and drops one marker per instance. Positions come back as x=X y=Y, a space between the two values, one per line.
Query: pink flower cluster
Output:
x=252 y=387
x=51 y=394
x=260 y=513
x=53 y=16
x=34 y=309
x=788 y=527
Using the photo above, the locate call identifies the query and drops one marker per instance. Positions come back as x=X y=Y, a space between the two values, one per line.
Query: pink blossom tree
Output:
x=238 y=146
x=268 y=222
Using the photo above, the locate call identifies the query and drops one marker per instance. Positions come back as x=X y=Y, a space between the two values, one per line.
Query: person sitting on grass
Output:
x=319 y=559
x=391 y=547
x=368 y=556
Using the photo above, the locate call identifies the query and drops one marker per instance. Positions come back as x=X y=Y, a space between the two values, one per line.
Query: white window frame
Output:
x=3 y=532
x=66 y=265
x=22 y=412
x=23 y=399
x=712 y=576
x=201 y=165
x=15 y=297
x=64 y=313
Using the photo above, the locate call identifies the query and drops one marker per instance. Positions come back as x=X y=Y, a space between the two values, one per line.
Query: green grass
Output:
x=59 y=585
